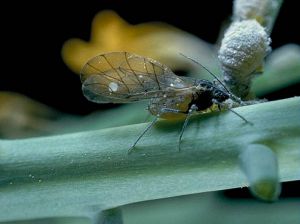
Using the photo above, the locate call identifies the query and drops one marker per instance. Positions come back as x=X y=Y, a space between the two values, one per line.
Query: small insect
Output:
x=122 y=77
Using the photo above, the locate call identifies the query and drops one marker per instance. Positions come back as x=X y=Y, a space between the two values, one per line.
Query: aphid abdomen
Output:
x=170 y=108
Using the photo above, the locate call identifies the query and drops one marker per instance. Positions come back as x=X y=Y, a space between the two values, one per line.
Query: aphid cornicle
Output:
x=122 y=77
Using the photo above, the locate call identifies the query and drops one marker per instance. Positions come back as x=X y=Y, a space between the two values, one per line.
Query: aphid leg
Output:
x=228 y=108
x=244 y=119
x=192 y=109
x=170 y=110
x=162 y=111
x=142 y=134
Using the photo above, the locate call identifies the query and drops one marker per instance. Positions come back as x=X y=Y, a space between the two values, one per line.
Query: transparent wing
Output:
x=121 y=77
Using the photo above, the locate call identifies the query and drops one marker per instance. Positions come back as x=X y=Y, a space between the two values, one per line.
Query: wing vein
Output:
x=133 y=70
x=155 y=76
x=116 y=72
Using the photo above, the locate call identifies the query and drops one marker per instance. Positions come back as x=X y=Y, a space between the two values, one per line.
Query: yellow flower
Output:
x=159 y=41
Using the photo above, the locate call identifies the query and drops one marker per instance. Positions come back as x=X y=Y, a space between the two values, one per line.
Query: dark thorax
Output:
x=207 y=94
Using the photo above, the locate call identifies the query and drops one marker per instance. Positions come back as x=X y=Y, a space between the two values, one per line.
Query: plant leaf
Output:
x=82 y=174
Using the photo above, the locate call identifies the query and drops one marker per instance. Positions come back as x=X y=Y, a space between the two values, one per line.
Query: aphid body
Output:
x=122 y=77
x=202 y=93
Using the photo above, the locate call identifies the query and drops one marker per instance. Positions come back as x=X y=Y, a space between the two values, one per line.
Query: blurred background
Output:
x=33 y=34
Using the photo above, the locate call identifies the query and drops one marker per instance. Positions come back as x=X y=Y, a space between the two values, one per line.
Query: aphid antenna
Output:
x=235 y=98
x=232 y=96
x=212 y=74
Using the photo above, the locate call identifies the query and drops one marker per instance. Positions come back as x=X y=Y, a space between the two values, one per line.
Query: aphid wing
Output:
x=104 y=82
x=152 y=74
x=121 y=77
x=99 y=89
x=101 y=64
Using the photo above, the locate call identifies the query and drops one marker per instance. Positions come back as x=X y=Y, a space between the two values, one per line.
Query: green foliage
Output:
x=84 y=173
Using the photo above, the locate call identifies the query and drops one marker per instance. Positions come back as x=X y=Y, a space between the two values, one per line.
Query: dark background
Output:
x=32 y=35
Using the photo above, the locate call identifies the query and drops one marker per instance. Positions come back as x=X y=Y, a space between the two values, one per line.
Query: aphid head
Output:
x=220 y=95
x=217 y=92
x=222 y=92
x=204 y=85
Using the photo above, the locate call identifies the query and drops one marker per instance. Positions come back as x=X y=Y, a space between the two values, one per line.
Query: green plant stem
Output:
x=84 y=173
x=282 y=70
